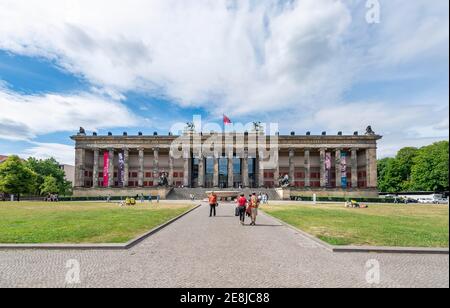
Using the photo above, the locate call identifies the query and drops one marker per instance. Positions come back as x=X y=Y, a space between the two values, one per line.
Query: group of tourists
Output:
x=245 y=207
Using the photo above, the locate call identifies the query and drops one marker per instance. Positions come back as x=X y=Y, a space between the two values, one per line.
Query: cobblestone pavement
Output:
x=198 y=251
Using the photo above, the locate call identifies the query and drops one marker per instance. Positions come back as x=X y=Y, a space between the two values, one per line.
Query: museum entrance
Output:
x=223 y=172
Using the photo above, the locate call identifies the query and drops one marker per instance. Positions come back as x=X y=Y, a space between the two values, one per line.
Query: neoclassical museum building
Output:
x=326 y=165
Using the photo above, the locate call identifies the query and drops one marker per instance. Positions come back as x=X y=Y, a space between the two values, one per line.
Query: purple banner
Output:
x=120 y=174
x=328 y=169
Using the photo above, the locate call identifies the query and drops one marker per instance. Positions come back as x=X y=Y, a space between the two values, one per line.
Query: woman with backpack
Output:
x=253 y=208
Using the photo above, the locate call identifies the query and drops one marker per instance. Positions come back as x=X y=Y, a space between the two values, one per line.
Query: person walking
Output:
x=212 y=204
x=254 y=205
x=242 y=206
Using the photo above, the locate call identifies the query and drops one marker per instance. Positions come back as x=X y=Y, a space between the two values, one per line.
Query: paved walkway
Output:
x=197 y=251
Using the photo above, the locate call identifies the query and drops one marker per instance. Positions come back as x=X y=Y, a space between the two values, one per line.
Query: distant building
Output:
x=3 y=158
x=69 y=172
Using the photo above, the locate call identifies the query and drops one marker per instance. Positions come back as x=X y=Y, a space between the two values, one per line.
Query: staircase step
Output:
x=200 y=193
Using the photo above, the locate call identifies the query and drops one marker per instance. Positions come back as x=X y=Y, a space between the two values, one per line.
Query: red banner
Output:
x=105 y=169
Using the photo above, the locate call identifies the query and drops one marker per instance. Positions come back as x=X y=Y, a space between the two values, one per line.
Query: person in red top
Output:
x=212 y=204
x=242 y=204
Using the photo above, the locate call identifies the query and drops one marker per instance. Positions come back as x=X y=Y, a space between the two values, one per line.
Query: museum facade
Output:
x=301 y=165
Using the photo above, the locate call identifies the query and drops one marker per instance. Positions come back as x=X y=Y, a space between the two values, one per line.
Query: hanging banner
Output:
x=344 y=169
x=120 y=174
x=105 y=169
x=328 y=169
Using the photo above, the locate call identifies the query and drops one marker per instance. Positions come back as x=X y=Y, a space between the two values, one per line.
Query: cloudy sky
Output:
x=141 y=65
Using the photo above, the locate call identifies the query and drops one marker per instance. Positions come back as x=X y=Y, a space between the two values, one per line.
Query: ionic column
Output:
x=111 y=168
x=80 y=160
x=230 y=172
x=307 y=168
x=186 y=173
x=216 y=172
x=261 y=171
x=337 y=168
x=141 y=168
x=95 y=169
x=322 y=168
x=171 y=168
x=245 y=171
x=371 y=166
x=126 y=167
x=354 y=168
x=276 y=174
x=155 y=167
x=201 y=171
x=292 y=166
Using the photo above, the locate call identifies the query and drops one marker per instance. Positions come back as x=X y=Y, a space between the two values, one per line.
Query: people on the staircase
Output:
x=242 y=206
x=212 y=204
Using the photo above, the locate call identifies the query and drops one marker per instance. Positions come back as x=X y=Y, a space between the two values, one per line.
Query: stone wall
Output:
x=288 y=193
x=118 y=192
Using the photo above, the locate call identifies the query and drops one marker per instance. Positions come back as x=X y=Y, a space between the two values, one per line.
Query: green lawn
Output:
x=77 y=222
x=380 y=225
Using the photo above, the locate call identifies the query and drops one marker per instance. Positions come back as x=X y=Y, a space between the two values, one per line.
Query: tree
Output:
x=404 y=163
x=50 y=186
x=431 y=167
x=15 y=177
x=389 y=179
x=48 y=167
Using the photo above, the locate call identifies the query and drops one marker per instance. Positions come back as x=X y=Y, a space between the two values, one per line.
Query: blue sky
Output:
x=308 y=65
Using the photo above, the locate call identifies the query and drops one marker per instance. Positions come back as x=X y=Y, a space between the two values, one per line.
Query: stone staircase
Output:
x=200 y=193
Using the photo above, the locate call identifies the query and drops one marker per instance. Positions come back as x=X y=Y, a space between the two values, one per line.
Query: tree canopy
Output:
x=16 y=177
x=424 y=169
x=50 y=186
x=45 y=168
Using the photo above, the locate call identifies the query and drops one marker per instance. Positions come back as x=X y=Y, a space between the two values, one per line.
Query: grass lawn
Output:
x=78 y=222
x=379 y=225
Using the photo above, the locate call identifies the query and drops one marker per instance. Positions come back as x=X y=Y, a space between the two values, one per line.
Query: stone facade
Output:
x=312 y=163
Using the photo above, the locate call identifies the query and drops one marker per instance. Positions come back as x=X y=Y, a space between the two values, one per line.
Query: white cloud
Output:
x=26 y=116
x=290 y=60
x=64 y=154
x=234 y=55
x=223 y=54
